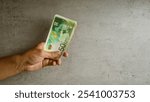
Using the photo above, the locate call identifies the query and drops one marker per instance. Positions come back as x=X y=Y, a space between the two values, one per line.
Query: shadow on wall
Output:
x=23 y=24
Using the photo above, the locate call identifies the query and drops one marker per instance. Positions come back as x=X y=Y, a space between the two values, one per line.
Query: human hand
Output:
x=37 y=58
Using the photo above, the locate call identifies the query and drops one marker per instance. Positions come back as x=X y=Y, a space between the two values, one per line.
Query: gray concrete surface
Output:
x=111 y=44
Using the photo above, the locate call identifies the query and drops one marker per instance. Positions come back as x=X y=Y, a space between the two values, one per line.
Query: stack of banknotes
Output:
x=60 y=34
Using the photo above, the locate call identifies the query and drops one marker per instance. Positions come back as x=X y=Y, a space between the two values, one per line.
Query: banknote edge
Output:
x=66 y=18
x=49 y=35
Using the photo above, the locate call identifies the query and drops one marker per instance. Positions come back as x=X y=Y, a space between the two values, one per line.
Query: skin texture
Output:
x=32 y=60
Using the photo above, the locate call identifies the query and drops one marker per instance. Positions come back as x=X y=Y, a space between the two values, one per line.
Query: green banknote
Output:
x=60 y=34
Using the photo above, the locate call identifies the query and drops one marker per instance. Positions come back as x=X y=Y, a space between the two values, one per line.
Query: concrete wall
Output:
x=111 y=44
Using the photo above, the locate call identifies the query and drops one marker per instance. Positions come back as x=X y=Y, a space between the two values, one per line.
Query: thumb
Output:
x=51 y=55
x=40 y=45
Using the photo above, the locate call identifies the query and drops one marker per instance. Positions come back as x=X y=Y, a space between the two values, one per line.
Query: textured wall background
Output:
x=111 y=44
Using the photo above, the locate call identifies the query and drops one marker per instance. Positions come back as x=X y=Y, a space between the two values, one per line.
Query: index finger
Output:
x=52 y=55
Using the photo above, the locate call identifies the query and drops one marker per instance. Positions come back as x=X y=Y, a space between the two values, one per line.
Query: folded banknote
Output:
x=60 y=34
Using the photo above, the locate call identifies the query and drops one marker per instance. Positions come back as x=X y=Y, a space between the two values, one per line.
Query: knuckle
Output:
x=40 y=52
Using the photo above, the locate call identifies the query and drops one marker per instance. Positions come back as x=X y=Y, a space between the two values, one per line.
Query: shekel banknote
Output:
x=60 y=34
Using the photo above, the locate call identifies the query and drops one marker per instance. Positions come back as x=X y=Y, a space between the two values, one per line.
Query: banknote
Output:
x=60 y=34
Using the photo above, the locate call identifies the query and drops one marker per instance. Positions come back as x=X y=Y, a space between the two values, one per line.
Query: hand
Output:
x=32 y=60
x=37 y=58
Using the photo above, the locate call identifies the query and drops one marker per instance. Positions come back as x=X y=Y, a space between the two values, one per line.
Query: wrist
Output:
x=19 y=62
